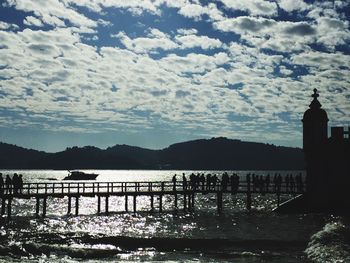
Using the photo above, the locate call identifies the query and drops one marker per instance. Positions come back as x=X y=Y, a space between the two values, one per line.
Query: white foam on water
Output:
x=331 y=244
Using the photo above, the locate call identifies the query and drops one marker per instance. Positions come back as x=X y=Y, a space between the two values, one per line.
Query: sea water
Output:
x=236 y=235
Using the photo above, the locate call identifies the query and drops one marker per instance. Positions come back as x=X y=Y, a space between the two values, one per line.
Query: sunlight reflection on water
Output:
x=89 y=235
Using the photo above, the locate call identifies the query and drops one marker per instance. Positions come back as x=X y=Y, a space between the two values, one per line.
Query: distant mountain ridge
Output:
x=203 y=154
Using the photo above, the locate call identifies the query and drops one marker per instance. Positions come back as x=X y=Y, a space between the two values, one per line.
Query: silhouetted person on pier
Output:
x=267 y=183
x=299 y=183
x=184 y=182
x=202 y=180
x=174 y=182
x=254 y=180
x=15 y=183
x=278 y=183
x=20 y=183
x=208 y=181
x=232 y=183
x=286 y=179
x=291 y=183
x=234 y=180
x=192 y=180
x=248 y=182
x=214 y=180
x=262 y=184
x=224 y=181
x=1 y=184
x=274 y=181
x=237 y=178
x=8 y=182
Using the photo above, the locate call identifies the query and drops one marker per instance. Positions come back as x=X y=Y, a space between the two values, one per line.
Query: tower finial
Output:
x=315 y=104
x=315 y=95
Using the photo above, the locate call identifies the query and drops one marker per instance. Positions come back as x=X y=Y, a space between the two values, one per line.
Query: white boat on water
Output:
x=79 y=175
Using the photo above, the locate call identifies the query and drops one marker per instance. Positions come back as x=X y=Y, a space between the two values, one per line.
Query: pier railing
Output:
x=188 y=190
x=145 y=187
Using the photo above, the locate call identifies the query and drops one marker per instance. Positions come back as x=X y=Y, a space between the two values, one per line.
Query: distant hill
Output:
x=212 y=154
x=12 y=156
x=223 y=153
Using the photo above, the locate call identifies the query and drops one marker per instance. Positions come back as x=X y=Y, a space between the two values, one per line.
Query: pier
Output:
x=154 y=190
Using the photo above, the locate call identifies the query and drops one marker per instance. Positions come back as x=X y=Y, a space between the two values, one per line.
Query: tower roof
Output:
x=315 y=113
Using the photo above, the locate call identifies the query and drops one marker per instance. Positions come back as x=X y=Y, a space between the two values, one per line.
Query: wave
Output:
x=165 y=244
x=98 y=247
x=30 y=249
x=331 y=244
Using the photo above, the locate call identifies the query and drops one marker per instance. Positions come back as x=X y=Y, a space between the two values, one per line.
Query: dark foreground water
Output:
x=235 y=236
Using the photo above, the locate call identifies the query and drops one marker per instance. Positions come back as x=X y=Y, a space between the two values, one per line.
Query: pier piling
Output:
x=160 y=203
x=249 y=194
x=44 y=206
x=126 y=203
x=37 y=207
x=69 y=205
x=185 y=202
x=135 y=203
x=3 y=206
x=249 y=201
x=77 y=205
x=9 y=207
x=107 y=205
x=192 y=201
x=219 y=201
x=175 y=201
x=98 y=204
x=189 y=205
x=152 y=203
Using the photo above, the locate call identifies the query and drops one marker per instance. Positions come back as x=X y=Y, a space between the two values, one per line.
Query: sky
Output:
x=152 y=73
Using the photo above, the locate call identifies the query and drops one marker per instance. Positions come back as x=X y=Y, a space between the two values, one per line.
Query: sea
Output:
x=235 y=235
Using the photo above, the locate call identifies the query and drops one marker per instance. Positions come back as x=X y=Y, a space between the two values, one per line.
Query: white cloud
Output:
x=32 y=21
x=5 y=26
x=157 y=39
x=204 y=42
x=144 y=44
x=293 y=5
x=193 y=63
x=185 y=31
x=193 y=87
x=332 y=32
x=285 y=71
x=285 y=35
x=134 y=6
x=253 y=7
x=92 y=5
x=53 y=12
x=265 y=27
x=81 y=89
x=192 y=11
x=322 y=60
x=104 y=23
x=196 y=11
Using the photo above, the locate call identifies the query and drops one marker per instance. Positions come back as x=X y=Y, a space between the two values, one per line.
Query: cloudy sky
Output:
x=151 y=73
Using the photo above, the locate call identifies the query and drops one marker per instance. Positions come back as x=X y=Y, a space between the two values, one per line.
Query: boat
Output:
x=79 y=175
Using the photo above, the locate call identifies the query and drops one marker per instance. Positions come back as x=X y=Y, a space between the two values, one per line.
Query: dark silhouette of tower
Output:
x=315 y=127
x=327 y=165
x=315 y=135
